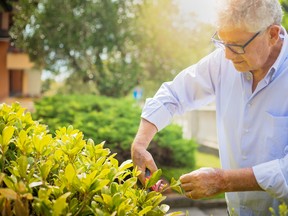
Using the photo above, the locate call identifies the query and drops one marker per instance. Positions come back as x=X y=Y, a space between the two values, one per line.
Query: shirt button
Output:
x=246 y=130
x=244 y=157
x=249 y=104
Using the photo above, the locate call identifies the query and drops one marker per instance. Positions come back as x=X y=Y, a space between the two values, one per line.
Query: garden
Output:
x=65 y=173
x=72 y=155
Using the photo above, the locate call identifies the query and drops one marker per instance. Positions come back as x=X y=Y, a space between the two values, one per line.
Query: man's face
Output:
x=256 y=51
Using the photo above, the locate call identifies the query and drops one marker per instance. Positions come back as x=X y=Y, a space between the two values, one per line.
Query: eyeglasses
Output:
x=235 y=48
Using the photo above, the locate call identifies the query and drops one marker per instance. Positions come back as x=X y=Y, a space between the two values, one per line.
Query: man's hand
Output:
x=207 y=182
x=204 y=182
x=141 y=158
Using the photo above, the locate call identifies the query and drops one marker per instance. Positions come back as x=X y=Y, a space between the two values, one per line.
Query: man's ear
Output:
x=274 y=32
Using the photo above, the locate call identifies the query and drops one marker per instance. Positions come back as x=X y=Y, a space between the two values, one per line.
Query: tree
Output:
x=167 y=45
x=284 y=4
x=92 y=39
x=107 y=47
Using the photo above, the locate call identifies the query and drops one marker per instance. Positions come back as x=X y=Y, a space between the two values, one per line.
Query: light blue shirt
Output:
x=252 y=127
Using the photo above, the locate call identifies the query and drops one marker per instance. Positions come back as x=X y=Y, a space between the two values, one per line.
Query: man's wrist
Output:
x=239 y=180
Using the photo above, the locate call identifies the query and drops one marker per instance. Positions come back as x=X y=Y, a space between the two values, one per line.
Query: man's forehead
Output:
x=234 y=35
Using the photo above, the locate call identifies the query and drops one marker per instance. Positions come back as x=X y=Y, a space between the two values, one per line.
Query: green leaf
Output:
x=153 y=179
x=114 y=187
x=45 y=169
x=100 y=183
x=9 y=182
x=176 y=186
x=107 y=199
x=23 y=165
x=129 y=183
x=40 y=142
x=22 y=140
x=117 y=199
x=70 y=173
x=2 y=176
x=7 y=134
x=124 y=207
x=60 y=204
x=44 y=193
x=74 y=204
x=126 y=165
x=145 y=210
x=98 y=199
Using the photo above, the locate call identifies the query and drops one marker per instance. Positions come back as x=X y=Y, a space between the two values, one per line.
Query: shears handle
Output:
x=157 y=186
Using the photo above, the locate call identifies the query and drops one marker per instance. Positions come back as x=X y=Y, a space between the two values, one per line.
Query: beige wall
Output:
x=31 y=76
x=18 y=61
x=32 y=83
x=200 y=125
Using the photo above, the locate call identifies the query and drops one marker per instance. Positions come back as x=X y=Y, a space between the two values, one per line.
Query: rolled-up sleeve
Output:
x=156 y=113
x=192 y=88
x=272 y=177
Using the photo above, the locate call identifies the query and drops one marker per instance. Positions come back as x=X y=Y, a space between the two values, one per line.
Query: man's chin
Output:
x=240 y=68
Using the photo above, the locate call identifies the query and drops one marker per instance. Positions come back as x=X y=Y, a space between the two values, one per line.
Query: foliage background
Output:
x=284 y=4
x=114 y=121
x=108 y=47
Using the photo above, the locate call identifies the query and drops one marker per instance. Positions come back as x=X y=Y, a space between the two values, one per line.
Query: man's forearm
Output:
x=240 y=180
x=142 y=159
x=145 y=134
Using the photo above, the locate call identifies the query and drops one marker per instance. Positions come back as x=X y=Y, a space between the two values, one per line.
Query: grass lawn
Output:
x=206 y=160
x=202 y=160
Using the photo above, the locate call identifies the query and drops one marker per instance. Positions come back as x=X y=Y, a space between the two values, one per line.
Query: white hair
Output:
x=250 y=15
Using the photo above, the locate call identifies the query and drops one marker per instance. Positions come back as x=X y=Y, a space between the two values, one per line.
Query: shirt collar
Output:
x=275 y=69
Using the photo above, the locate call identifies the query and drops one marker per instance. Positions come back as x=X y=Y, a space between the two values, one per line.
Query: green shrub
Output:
x=282 y=210
x=42 y=174
x=172 y=150
x=115 y=121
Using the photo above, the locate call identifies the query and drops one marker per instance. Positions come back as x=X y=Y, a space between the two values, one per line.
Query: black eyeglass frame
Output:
x=221 y=44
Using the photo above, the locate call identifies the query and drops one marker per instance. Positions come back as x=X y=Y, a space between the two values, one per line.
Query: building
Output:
x=18 y=76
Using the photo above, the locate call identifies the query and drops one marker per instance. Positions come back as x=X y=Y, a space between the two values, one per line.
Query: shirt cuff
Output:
x=271 y=179
x=156 y=113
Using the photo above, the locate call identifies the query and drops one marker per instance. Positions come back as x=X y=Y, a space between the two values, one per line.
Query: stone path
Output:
x=195 y=211
x=190 y=207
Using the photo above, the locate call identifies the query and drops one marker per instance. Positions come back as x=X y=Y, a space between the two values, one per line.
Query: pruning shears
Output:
x=158 y=186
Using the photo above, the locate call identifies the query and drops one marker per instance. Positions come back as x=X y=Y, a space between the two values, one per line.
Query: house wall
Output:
x=16 y=82
x=32 y=80
x=199 y=125
x=4 y=76
x=18 y=61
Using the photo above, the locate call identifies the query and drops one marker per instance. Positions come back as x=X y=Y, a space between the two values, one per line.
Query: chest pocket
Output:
x=277 y=137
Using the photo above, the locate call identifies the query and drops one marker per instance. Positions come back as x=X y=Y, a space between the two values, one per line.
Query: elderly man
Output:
x=247 y=77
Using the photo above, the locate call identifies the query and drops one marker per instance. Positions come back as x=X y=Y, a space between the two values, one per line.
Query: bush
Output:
x=64 y=174
x=116 y=121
